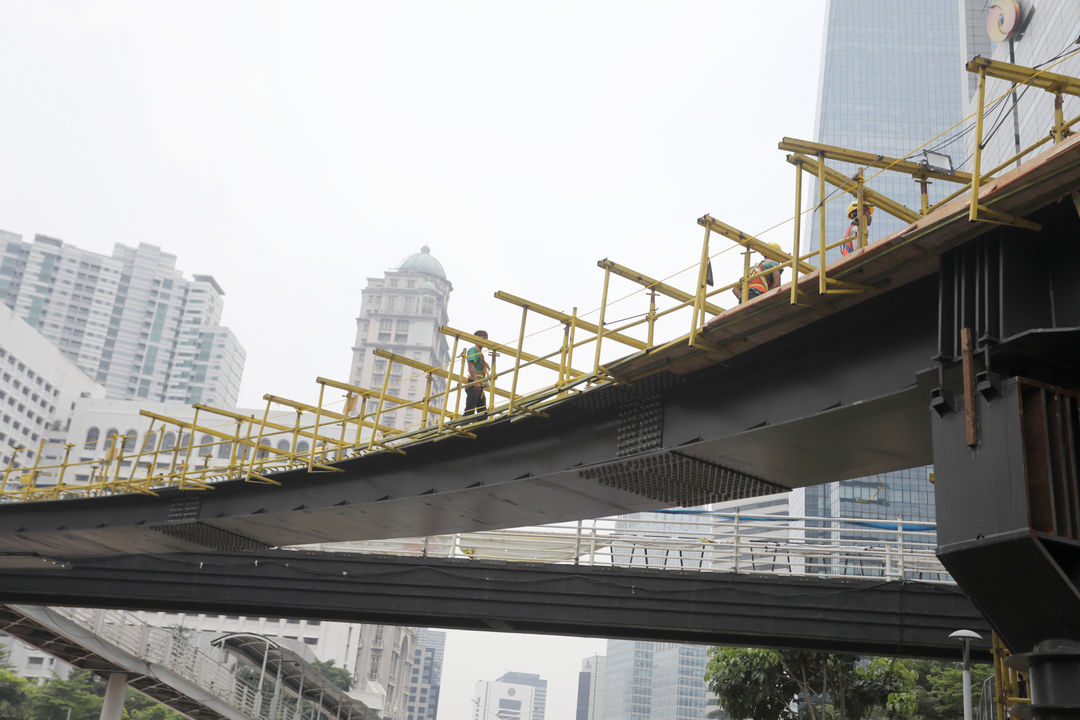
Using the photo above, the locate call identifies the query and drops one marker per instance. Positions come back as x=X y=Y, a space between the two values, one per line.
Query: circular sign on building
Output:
x=1002 y=19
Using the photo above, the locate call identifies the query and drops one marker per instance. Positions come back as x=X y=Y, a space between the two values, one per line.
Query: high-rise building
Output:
x=890 y=81
x=655 y=681
x=590 y=691
x=514 y=696
x=402 y=313
x=1039 y=35
x=130 y=321
x=426 y=678
x=39 y=388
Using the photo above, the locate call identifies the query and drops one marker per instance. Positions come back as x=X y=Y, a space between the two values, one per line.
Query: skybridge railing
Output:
x=570 y=354
x=699 y=541
x=213 y=673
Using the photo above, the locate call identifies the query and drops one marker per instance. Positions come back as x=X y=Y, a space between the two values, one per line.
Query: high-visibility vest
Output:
x=475 y=356
x=761 y=283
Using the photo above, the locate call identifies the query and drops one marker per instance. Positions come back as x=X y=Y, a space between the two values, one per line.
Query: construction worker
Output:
x=477 y=369
x=760 y=280
x=852 y=235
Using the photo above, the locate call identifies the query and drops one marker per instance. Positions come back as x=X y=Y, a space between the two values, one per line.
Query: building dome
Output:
x=423 y=262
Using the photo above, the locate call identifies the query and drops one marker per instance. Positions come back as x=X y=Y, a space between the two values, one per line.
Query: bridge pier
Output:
x=112 y=708
x=1005 y=426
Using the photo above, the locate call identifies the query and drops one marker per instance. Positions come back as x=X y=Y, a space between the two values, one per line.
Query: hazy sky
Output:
x=294 y=149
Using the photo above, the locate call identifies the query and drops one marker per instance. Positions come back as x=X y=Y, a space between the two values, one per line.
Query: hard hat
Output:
x=853 y=208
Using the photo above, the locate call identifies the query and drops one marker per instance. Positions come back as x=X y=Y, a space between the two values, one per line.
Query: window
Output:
x=91 y=438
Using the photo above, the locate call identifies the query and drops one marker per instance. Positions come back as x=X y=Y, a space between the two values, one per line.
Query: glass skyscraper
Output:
x=654 y=681
x=890 y=81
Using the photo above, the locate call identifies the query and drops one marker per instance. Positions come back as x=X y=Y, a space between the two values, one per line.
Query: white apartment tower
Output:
x=130 y=321
x=402 y=313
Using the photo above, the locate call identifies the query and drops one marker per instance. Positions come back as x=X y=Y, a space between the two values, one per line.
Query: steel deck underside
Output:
x=795 y=395
x=858 y=615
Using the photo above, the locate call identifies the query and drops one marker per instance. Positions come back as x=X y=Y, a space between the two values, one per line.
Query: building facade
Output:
x=590 y=691
x=655 y=681
x=1042 y=36
x=890 y=81
x=402 y=312
x=426 y=676
x=39 y=389
x=514 y=696
x=130 y=321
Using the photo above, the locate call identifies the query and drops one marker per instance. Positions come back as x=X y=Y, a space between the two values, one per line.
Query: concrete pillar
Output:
x=115 y=692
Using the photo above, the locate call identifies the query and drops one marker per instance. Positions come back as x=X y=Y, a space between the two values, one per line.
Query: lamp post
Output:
x=965 y=637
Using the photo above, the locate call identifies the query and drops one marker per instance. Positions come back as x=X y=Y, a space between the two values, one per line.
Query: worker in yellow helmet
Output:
x=760 y=280
x=852 y=234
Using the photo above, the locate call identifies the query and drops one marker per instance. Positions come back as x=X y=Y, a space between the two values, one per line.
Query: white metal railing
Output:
x=168 y=648
x=700 y=541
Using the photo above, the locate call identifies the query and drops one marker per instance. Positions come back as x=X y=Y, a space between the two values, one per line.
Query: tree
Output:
x=786 y=685
x=940 y=691
x=81 y=693
x=337 y=676
x=14 y=693
x=139 y=707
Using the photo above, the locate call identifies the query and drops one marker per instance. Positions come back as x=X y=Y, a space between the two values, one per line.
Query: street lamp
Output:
x=965 y=637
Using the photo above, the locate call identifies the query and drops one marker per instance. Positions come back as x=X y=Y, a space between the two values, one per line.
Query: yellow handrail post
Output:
x=190 y=447
x=360 y=421
x=119 y=459
x=258 y=442
x=795 y=242
x=859 y=213
x=138 y=458
x=1059 y=119
x=570 y=347
x=157 y=453
x=64 y=465
x=234 y=450
x=427 y=400
x=973 y=209
x=698 y=318
x=652 y=315
x=517 y=358
x=600 y=322
x=745 y=292
x=493 y=354
x=11 y=465
x=822 y=289
x=463 y=374
x=379 y=407
x=318 y=417
x=29 y=485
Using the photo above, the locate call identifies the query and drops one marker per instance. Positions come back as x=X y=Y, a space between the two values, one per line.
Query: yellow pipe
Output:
x=600 y=323
x=795 y=241
x=517 y=358
x=973 y=209
x=822 y=288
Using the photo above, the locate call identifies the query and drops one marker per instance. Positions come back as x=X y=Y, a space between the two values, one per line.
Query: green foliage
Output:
x=940 y=690
x=337 y=676
x=765 y=684
x=139 y=707
x=81 y=693
x=14 y=692
x=751 y=683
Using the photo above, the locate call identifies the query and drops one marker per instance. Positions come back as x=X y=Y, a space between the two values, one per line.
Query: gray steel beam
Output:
x=836 y=399
x=855 y=615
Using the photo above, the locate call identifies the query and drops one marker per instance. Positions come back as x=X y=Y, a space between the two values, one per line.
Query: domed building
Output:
x=402 y=312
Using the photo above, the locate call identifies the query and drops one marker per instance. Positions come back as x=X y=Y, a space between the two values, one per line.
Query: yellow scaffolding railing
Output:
x=294 y=436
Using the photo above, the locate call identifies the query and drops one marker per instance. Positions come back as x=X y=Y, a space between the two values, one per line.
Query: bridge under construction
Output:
x=954 y=341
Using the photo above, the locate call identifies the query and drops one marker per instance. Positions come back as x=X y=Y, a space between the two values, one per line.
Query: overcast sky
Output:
x=294 y=149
